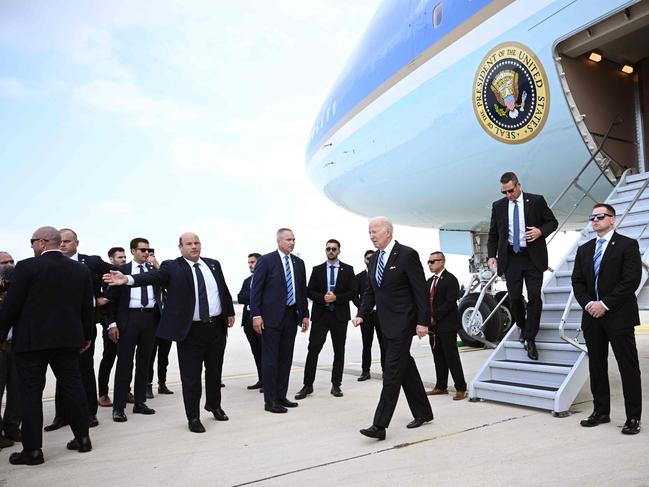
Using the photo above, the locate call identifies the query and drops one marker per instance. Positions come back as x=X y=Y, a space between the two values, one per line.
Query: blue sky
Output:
x=124 y=119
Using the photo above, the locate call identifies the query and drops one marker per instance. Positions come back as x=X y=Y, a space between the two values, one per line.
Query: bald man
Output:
x=197 y=314
x=49 y=306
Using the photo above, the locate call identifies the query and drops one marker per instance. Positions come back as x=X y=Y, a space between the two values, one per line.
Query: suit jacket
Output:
x=344 y=290
x=620 y=272
x=120 y=296
x=244 y=298
x=402 y=299
x=98 y=268
x=268 y=291
x=176 y=276
x=49 y=304
x=537 y=214
x=445 y=313
x=361 y=284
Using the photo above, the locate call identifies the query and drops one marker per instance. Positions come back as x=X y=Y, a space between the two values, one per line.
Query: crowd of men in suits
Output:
x=50 y=313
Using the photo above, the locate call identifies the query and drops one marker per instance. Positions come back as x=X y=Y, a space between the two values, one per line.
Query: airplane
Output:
x=441 y=97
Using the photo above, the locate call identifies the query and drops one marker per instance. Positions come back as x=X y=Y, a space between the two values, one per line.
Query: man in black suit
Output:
x=398 y=289
x=197 y=313
x=605 y=277
x=445 y=321
x=97 y=267
x=133 y=326
x=331 y=287
x=370 y=323
x=49 y=307
x=278 y=305
x=254 y=338
x=520 y=223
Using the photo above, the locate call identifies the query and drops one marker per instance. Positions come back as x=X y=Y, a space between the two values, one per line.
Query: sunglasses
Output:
x=150 y=251
x=32 y=240
x=6 y=262
x=509 y=191
x=331 y=249
x=431 y=262
x=599 y=216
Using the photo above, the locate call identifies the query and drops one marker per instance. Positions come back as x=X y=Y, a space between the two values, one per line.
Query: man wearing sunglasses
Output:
x=520 y=223
x=606 y=274
x=134 y=321
x=331 y=287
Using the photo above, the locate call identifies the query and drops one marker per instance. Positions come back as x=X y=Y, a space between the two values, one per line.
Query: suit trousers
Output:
x=519 y=268
x=277 y=345
x=446 y=357
x=254 y=339
x=9 y=384
x=327 y=323
x=87 y=370
x=108 y=357
x=32 y=367
x=624 y=348
x=135 y=342
x=400 y=371
x=162 y=347
x=369 y=325
x=205 y=344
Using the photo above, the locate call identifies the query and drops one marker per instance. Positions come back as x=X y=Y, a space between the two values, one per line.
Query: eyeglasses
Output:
x=150 y=251
x=431 y=262
x=32 y=240
x=331 y=249
x=509 y=191
x=599 y=216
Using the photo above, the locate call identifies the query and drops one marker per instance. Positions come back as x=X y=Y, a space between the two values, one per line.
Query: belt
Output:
x=291 y=307
x=521 y=251
x=213 y=319
x=142 y=310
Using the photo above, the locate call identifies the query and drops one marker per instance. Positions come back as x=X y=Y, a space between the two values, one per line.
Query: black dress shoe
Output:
x=305 y=391
x=336 y=392
x=286 y=403
x=417 y=422
x=374 y=432
x=149 y=391
x=27 y=457
x=142 y=408
x=532 y=352
x=56 y=424
x=5 y=442
x=595 y=419
x=256 y=385
x=222 y=384
x=14 y=434
x=364 y=376
x=631 y=427
x=195 y=426
x=261 y=391
x=274 y=407
x=82 y=444
x=119 y=416
x=93 y=421
x=163 y=389
x=218 y=413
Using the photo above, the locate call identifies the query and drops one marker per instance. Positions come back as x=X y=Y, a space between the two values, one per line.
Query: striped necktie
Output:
x=516 y=231
x=290 y=295
x=597 y=261
x=379 y=268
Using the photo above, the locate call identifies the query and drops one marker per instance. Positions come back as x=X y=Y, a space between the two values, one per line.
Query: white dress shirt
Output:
x=521 y=222
x=332 y=285
x=136 y=293
x=388 y=250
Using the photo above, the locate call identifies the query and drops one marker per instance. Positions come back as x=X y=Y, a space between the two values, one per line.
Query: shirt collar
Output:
x=518 y=200
x=191 y=264
x=282 y=254
x=51 y=250
x=75 y=256
x=388 y=248
x=439 y=273
x=335 y=264
x=607 y=237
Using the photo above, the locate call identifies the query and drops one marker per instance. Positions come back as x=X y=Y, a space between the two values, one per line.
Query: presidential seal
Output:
x=511 y=97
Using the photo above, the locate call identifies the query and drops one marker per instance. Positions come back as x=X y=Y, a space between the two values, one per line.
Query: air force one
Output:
x=443 y=96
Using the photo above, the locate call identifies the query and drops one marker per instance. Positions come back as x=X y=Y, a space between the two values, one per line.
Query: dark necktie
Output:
x=332 y=285
x=516 y=231
x=203 y=304
x=144 y=294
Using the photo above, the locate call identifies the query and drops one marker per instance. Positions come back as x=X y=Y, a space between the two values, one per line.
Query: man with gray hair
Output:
x=397 y=287
x=49 y=306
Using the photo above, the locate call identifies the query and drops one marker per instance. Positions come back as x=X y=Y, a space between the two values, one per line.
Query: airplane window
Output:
x=437 y=15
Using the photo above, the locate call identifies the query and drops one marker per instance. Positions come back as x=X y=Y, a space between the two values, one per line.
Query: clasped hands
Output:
x=596 y=309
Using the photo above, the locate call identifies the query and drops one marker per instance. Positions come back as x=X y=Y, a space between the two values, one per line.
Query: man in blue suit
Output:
x=278 y=305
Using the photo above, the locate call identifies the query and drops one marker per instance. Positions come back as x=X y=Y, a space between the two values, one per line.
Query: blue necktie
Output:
x=379 y=268
x=290 y=297
x=144 y=291
x=332 y=285
x=516 y=235
x=597 y=260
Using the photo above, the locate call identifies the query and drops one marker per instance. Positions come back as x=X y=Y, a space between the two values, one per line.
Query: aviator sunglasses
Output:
x=599 y=216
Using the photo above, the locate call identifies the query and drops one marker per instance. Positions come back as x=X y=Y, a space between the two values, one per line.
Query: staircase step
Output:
x=556 y=294
x=558 y=352
x=512 y=393
x=522 y=385
x=535 y=363
x=528 y=373
x=632 y=178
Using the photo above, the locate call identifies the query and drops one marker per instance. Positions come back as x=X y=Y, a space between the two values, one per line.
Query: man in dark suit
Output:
x=445 y=321
x=49 y=307
x=398 y=289
x=97 y=267
x=254 y=339
x=370 y=323
x=331 y=287
x=278 y=305
x=605 y=277
x=520 y=223
x=198 y=311
x=133 y=326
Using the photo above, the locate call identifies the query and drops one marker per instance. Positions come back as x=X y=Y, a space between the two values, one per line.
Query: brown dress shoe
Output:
x=104 y=401
x=130 y=399
x=436 y=392
x=459 y=395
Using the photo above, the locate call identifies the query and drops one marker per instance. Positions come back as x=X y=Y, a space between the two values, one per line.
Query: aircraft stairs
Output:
x=553 y=381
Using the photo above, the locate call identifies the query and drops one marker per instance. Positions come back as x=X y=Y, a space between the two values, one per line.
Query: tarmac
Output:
x=318 y=443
